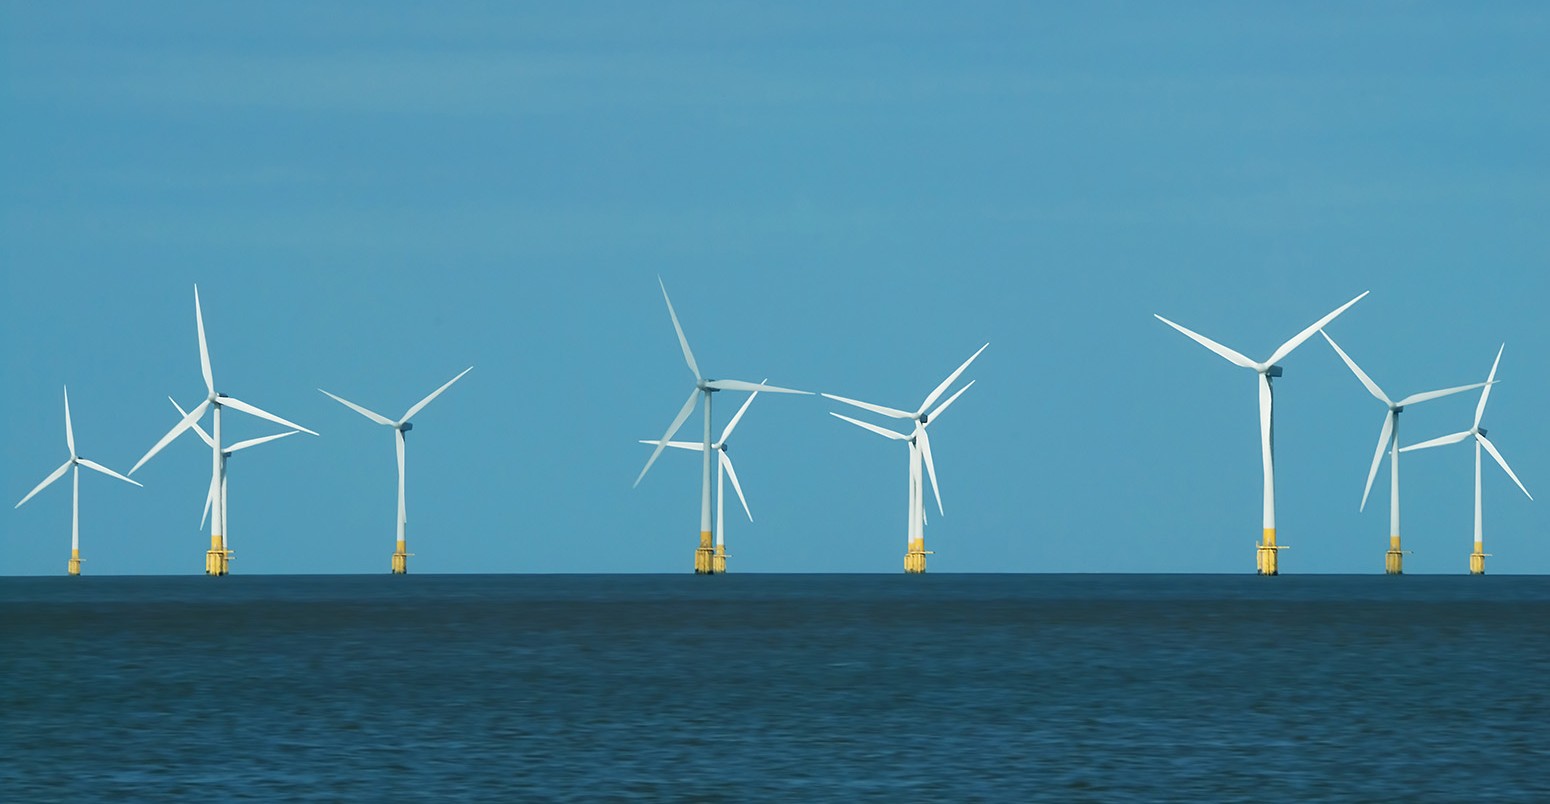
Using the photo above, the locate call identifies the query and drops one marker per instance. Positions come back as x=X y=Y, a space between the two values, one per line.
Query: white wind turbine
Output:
x=724 y=461
x=1266 y=554
x=1477 y=558
x=74 y=463
x=217 y=558
x=400 y=427
x=1388 y=438
x=920 y=451
x=704 y=556
x=219 y=479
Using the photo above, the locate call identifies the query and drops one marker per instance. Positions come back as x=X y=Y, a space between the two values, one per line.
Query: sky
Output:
x=848 y=198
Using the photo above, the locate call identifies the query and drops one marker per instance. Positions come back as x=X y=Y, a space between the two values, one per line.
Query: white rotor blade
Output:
x=237 y=404
x=55 y=475
x=419 y=406
x=732 y=425
x=694 y=445
x=951 y=378
x=1437 y=442
x=177 y=430
x=1491 y=448
x=90 y=464
x=209 y=442
x=924 y=441
x=204 y=350
x=1233 y=357
x=398 y=440
x=69 y=429
x=1386 y=433
x=682 y=341
x=894 y=413
x=209 y=500
x=376 y=417
x=678 y=421
x=1296 y=341
x=869 y=426
x=740 y=385
x=1372 y=387
x=726 y=463
x=940 y=409
x=1489 y=381
x=253 y=442
x=1427 y=396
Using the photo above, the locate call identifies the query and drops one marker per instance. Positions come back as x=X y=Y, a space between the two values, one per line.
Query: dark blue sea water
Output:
x=768 y=687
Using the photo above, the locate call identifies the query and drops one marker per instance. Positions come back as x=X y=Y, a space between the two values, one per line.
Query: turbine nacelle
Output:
x=1271 y=371
x=405 y=427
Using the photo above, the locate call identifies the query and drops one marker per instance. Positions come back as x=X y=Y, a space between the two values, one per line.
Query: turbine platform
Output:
x=705 y=556
x=74 y=567
x=1394 y=559
x=1267 y=554
x=401 y=559
x=915 y=559
x=1477 y=560
x=217 y=558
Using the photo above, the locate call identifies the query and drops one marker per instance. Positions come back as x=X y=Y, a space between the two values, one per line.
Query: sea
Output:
x=747 y=687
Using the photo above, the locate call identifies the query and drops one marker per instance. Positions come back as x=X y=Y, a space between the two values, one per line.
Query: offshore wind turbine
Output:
x=400 y=563
x=217 y=558
x=724 y=462
x=74 y=464
x=1477 y=558
x=704 y=555
x=218 y=479
x=920 y=452
x=1388 y=438
x=1266 y=557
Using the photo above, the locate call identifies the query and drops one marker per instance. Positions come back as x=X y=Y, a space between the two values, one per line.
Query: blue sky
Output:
x=841 y=197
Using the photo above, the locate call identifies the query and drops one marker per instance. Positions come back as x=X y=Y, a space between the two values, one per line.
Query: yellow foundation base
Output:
x=915 y=558
x=74 y=567
x=217 y=558
x=1267 y=554
x=1394 y=559
x=719 y=564
x=401 y=560
x=705 y=555
x=1477 y=560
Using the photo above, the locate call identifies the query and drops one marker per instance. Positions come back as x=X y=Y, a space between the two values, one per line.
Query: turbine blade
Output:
x=419 y=406
x=398 y=440
x=869 y=426
x=253 y=442
x=1372 y=387
x=1384 y=434
x=69 y=428
x=204 y=350
x=1233 y=357
x=739 y=385
x=678 y=421
x=940 y=409
x=682 y=341
x=1491 y=448
x=726 y=463
x=177 y=430
x=204 y=436
x=209 y=500
x=1489 y=381
x=1427 y=396
x=1437 y=442
x=55 y=475
x=237 y=404
x=376 y=417
x=736 y=417
x=925 y=453
x=894 y=413
x=951 y=378
x=694 y=445
x=90 y=464
x=1296 y=341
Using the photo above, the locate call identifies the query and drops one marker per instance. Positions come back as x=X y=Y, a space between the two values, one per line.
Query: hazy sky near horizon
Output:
x=842 y=197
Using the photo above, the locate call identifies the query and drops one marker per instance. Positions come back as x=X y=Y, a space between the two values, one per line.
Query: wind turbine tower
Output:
x=217 y=558
x=1478 y=557
x=705 y=554
x=400 y=563
x=74 y=464
x=1388 y=438
x=1266 y=553
x=920 y=453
